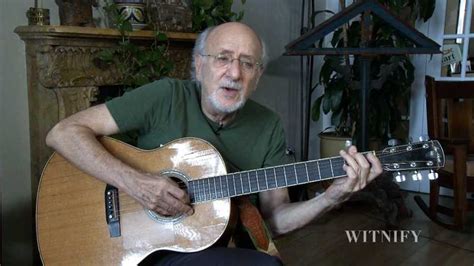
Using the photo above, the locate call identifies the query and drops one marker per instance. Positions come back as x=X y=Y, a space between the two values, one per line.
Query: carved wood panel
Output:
x=63 y=78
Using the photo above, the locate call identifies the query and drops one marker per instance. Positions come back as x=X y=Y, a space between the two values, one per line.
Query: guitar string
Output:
x=336 y=160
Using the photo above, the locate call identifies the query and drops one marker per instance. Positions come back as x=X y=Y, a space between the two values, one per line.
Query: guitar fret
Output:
x=215 y=191
x=241 y=183
x=203 y=189
x=319 y=170
x=284 y=173
x=197 y=195
x=233 y=181
x=271 y=181
x=221 y=188
x=332 y=170
x=258 y=185
x=209 y=184
x=248 y=180
x=281 y=181
x=204 y=195
x=325 y=169
x=296 y=174
x=291 y=178
x=339 y=171
x=191 y=192
x=301 y=175
x=275 y=175
x=227 y=181
x=306 y=167
x=266 y=178
x=262 y=180
x=245 y=182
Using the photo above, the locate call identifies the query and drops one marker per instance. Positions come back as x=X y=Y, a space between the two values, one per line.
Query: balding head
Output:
x=232 y=30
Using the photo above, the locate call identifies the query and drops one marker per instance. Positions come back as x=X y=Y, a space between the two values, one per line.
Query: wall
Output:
x=277 y=22
x=424 y=65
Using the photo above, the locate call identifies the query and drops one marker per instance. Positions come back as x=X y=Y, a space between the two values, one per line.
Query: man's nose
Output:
x=234 y=69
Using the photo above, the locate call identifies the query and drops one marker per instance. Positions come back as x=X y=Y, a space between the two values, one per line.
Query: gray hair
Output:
x=200 y=48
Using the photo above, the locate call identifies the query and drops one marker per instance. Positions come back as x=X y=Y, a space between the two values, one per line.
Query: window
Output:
x=458 y=41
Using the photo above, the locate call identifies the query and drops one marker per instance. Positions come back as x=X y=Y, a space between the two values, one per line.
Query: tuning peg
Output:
x=348 y=143
x=398 y=177
x=423 y=138
x=392 y=142
x=416 y=176
x=432 y=175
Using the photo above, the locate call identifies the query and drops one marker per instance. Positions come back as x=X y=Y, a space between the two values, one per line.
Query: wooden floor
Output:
x=324 y=242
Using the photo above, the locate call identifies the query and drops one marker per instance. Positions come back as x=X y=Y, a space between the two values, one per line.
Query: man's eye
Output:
x=223 y=59
x=248 y=65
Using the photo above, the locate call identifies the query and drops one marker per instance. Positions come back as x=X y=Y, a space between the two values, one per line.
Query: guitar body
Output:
x=71 y=210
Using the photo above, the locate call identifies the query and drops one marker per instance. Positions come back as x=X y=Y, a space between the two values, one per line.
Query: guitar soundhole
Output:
x=181 y=180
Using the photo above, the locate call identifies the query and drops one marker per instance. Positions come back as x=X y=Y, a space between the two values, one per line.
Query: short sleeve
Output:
x=276 y=154
x=143 y=107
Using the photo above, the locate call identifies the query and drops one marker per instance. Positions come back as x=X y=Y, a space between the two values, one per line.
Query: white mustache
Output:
x=231 y=84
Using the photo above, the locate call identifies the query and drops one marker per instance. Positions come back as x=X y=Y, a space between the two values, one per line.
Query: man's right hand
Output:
x=160 y=194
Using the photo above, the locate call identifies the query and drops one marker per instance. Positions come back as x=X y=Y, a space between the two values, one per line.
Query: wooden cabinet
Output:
x=63 y=79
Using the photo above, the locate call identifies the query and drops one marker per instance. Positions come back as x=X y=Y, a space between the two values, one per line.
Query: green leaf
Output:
x=313 y=16
x=336 y=118
x=336 y=96
x=326 y=103
x=240 y=16
x=316 y=109
x=427 y=8
x=206 y=4
x=160 y=36
x=127 y=26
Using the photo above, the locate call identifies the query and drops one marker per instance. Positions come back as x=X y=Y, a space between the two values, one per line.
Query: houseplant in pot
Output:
x=391 y=75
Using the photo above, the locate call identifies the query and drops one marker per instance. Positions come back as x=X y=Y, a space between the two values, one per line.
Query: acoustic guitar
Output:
x=83 y=221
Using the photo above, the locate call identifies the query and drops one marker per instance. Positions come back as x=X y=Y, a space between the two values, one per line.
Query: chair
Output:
x=450 y=120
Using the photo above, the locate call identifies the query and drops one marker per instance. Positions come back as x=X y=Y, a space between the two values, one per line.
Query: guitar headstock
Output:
x=413 y=157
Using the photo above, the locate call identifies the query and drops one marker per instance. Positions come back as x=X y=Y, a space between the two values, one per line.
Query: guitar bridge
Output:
x=112 y=213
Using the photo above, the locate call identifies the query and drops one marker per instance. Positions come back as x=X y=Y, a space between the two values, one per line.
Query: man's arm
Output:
x=284 y=216
x=75 y=138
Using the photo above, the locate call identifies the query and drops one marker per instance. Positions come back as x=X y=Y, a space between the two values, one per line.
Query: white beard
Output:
x=213 y=99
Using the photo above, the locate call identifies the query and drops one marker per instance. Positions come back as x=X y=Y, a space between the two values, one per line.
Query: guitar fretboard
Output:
x=253 y=181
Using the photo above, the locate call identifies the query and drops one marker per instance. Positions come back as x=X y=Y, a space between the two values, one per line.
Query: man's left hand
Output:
x=361 y=170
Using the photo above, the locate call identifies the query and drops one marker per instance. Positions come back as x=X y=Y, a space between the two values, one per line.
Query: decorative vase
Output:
x=38 y=16
x=133 y=11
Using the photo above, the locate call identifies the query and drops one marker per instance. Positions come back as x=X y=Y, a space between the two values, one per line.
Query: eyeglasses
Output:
x=223 y=60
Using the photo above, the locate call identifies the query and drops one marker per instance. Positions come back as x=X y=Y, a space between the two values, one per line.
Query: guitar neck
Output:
x=253 y=181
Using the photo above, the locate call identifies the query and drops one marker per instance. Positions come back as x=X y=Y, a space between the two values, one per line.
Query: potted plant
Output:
x=208 y=13
x=391 y=76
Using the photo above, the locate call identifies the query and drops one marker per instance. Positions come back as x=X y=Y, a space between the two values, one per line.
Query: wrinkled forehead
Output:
x=236 y=40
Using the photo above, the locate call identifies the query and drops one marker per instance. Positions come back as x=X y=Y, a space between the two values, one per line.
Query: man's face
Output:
x=226 y=87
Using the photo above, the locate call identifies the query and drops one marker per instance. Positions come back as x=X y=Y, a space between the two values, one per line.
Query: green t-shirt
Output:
x=169 y=109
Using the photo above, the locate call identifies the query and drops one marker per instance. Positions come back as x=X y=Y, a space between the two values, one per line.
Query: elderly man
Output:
x=228 y=63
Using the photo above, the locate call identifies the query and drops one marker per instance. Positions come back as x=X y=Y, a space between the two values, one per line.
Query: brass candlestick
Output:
x=38 y=16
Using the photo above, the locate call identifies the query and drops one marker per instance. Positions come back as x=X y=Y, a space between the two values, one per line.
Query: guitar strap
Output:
x=254 y=224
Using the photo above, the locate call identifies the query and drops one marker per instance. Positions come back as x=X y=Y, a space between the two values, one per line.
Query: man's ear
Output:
x=258 y=75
